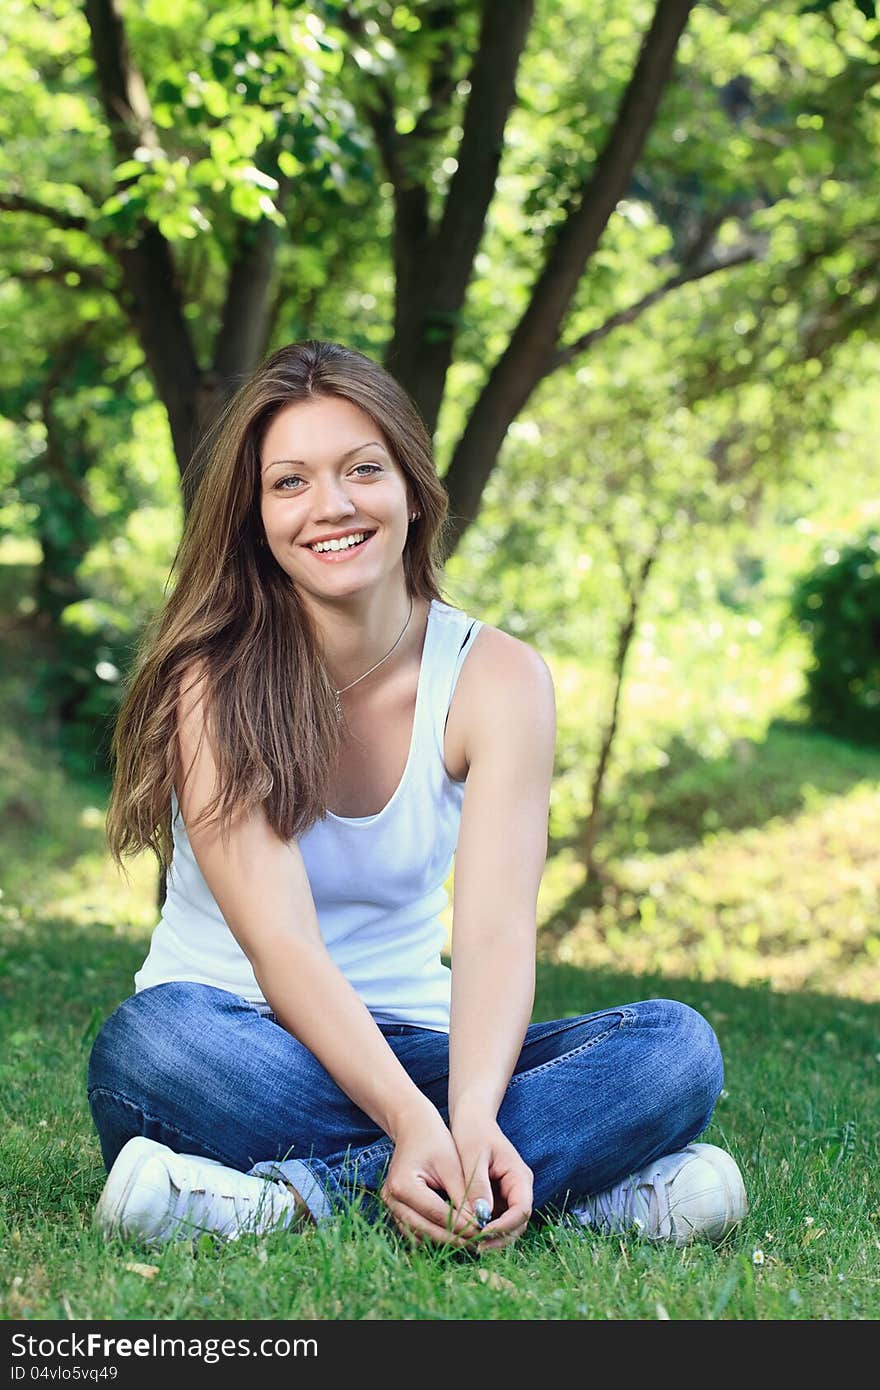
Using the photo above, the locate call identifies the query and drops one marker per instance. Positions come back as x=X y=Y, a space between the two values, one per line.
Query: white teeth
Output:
x=344 y=544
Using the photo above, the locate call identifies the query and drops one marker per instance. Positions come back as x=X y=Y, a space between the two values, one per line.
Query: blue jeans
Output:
x=592 y=1098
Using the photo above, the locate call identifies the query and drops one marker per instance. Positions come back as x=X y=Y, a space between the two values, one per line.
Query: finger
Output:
x=499 y=1233
x=488 y=1240
x=419 y=1197
x=485 y=1247
x=416 y=1226
x=473 y=1214
x=513 y=1219
x=516 y=1197
x=477 y=1185
x=461 y=1195
x=516 y=1186
x=476 y=1204
x=480 y=1206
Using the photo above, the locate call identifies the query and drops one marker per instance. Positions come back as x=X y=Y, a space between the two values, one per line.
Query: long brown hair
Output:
x=236 y=618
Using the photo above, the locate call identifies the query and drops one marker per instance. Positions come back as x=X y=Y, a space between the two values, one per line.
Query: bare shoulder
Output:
x=498 y=656
x=507 y=687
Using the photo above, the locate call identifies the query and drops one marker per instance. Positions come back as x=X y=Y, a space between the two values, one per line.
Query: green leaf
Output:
x=129 y=169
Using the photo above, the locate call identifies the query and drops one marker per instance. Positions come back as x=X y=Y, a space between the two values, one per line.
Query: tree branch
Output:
x=59 y=270
x=492 y=81
x=813 y=341
x=67 y=221
x=244 y=323
x=152 y=295
x=379 y=115
x=836 y=319
x=441 y=76
x=534 y=340
x=697 y=246
x=248 y=309
x=411 y=209
x=430 y=296
x=635 y=590
x=564 y=355
x=121 y=87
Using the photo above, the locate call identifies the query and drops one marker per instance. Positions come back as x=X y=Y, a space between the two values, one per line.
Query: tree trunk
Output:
x=624 y=641
x=434 y=265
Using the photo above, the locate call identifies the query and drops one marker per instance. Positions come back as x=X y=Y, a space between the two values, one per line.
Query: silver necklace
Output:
x=373 y=668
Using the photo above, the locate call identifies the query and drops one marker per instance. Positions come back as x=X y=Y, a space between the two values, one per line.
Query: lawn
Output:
x=800 y=1111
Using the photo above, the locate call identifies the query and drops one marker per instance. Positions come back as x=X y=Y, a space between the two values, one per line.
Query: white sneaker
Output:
x=156 y=1195
x=696 y=1193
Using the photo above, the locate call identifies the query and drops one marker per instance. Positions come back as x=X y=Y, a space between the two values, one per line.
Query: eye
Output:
x=291 y=478
x=374 y=467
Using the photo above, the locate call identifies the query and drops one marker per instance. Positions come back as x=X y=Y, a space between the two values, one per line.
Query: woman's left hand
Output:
x=494 y=1171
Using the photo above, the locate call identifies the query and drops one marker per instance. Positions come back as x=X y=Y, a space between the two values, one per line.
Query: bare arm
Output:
x=499 y=861
x=261 y=887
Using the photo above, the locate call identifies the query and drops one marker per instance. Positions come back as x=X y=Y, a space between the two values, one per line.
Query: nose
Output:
x=331 y=500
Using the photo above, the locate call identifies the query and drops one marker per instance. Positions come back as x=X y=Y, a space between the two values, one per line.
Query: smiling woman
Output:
x=295 y=1042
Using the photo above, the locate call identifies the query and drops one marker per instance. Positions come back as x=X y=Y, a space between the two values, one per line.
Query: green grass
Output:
x=800 y=1112
x=748 y=888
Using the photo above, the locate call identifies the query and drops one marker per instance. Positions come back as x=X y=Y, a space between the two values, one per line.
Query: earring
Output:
x=414 y=516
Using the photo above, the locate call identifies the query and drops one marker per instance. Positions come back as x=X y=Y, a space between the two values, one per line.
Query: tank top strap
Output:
x=454 y=633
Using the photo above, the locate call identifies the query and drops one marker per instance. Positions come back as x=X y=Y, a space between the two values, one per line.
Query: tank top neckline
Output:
x=370 y=820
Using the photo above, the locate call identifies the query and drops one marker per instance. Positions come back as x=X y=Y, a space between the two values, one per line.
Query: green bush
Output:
x=837 y=605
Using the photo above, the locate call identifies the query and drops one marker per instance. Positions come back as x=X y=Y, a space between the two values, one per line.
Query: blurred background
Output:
x=626 y=259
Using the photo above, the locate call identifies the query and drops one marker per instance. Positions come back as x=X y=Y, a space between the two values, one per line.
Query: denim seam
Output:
x=159 y=1120
x=626 y=1016
x=381 y=1147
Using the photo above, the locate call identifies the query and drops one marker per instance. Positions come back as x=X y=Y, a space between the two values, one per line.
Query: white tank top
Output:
x=378 y=882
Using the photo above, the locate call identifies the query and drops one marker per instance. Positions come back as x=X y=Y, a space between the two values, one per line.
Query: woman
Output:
x=310 y=736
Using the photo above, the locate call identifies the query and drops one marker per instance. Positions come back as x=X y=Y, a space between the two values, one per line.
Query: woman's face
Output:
x=326 y=471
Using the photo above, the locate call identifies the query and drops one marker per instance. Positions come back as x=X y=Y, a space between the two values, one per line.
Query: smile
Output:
x=344 y=550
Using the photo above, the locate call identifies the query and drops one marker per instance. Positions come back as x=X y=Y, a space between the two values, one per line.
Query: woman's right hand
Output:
x=424 y=1188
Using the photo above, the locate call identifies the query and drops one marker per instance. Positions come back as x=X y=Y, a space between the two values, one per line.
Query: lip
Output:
x=336 y=557
x=339 y=535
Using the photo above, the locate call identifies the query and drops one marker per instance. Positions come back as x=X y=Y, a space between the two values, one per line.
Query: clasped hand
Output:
x=437 y=1174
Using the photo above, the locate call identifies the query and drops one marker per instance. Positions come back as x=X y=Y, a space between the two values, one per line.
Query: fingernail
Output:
x=482 y=1211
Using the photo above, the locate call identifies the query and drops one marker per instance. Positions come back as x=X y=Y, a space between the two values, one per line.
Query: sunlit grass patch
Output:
x=793 y=902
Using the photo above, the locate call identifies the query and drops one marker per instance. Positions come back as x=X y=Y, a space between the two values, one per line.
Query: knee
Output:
x=118 y=1037
x=140 y=1062
x=692 y=1061
x=142 y=1037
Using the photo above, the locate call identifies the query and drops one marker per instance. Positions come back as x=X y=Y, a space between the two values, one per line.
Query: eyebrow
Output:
x=301 y=463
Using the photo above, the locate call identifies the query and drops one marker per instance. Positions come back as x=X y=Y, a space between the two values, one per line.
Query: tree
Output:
x=213 y=146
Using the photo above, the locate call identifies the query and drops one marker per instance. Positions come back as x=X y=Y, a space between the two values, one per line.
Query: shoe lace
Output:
x=642 y=1202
